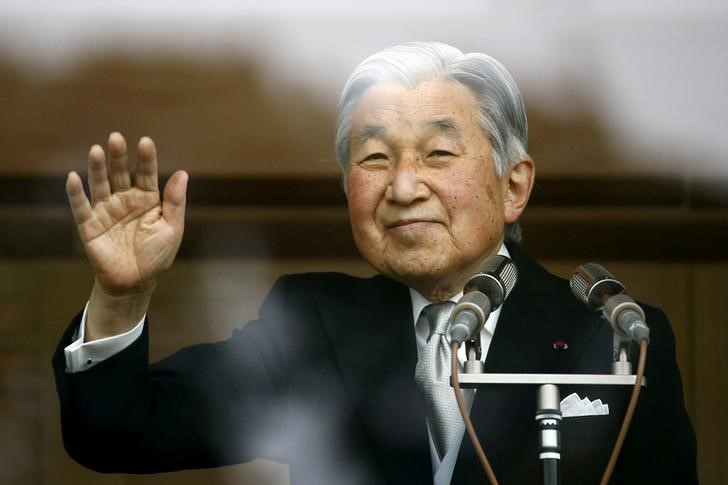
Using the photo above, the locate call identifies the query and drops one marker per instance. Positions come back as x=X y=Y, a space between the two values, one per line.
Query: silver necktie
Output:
x=432 y=374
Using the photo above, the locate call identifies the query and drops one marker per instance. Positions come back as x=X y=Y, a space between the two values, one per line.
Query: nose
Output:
x=406 y=182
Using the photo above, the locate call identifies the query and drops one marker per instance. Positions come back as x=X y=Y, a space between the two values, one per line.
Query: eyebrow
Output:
x=369 y=131
x=446 y=126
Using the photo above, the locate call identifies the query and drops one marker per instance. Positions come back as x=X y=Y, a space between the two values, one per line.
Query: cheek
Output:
x=474 y=194
x=363 y=195
x=475 y=206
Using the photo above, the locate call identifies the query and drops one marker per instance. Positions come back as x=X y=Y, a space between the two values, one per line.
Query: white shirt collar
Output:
x=419 y=302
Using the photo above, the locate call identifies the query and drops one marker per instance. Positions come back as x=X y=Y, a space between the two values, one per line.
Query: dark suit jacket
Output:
x=323 y=380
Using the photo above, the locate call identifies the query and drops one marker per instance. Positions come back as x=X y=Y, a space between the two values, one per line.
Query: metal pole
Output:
x=548 y=419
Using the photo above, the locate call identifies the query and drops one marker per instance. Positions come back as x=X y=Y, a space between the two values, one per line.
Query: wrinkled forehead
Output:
x=437 y=107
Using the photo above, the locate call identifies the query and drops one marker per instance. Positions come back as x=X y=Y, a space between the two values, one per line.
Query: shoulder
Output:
x=309 y=295
x=330 y=286
x=303 y=312
x=550 y=296
x=540 y=294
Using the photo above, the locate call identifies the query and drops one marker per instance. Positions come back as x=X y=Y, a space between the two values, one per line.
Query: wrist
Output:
x=113 y=314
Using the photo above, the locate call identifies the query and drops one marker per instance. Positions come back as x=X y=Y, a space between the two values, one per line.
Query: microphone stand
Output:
x=473 y=364
x=548 y=414
x=622 y=347
x=548 y=419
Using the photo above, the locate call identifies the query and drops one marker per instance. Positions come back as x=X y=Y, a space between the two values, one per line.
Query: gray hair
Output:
x=502 y=114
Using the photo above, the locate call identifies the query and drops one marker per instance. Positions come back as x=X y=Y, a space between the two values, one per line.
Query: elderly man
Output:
x=432 y=144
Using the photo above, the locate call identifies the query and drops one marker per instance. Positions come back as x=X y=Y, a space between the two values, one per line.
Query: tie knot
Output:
x=433 y=319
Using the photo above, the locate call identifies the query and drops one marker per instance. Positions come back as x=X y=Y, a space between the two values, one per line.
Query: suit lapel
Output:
x=373 y=343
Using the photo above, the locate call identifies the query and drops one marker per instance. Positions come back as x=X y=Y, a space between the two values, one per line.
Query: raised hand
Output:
x=130 y=234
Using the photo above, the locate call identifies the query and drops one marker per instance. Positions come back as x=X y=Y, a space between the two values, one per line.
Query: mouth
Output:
x=410 y=224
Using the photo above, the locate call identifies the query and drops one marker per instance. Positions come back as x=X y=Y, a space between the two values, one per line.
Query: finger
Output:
x=98 y=181
x=118 y=163
x=175 y=198
x=146 y=171
x=80 y=206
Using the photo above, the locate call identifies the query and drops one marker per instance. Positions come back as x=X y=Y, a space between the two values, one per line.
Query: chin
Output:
x=417 y=271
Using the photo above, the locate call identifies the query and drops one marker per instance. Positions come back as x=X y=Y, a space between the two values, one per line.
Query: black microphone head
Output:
x=496 y=279
x=593 y=285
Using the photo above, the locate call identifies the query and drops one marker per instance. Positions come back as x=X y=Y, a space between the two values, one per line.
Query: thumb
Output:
x=175 y=198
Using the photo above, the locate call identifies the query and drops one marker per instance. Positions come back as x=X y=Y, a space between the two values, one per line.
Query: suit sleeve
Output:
x=206 y=405
x=660 y=445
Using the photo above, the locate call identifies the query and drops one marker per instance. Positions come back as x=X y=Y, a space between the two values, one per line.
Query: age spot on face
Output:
x=491 y=195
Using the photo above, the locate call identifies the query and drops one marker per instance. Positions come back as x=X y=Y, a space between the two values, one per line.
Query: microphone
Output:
x=483 y=293
x=597 y=288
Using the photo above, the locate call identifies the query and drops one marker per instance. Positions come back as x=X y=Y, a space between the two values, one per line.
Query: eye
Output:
x=374 y=161
x=440 y=153
x=375 y=156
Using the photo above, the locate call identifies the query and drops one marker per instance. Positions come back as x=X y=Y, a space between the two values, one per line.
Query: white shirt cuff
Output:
x=82 y=355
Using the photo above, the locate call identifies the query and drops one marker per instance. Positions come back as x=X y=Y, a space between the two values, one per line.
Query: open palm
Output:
x=129 y=232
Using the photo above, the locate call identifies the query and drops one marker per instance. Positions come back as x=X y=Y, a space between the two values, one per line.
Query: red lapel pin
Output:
x=560 y=345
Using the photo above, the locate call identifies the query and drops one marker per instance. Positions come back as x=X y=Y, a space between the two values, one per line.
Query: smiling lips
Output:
x=405 y=224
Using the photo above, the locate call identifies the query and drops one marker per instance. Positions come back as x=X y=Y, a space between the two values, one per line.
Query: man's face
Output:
x=425 y=203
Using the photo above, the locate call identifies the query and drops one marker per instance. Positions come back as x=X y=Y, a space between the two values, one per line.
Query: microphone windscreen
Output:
x=592 y=284
x=496 y=279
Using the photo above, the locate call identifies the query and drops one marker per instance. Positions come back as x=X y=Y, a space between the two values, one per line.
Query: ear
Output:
x=517 y=185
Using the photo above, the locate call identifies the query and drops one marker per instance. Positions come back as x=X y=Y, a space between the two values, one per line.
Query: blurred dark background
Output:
x=627 y=113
